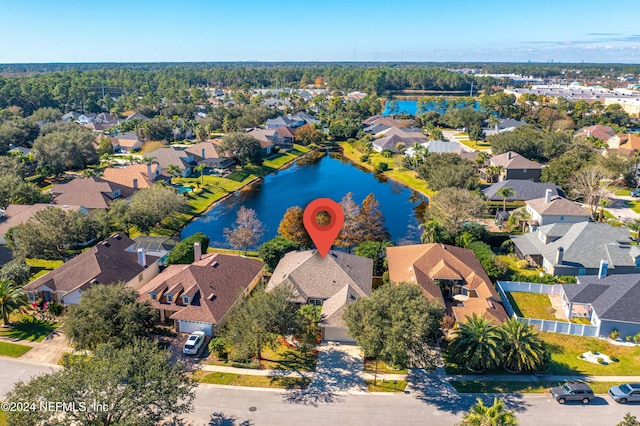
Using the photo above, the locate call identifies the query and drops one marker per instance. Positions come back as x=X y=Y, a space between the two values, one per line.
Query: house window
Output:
x=185 y=300
x=154 y=296
x=315 y=302
x=582 y=271
x=33 y=297
x=116 y=193
x=524 y=170
x=637 y=262
x=561 y=218
x=169 y=298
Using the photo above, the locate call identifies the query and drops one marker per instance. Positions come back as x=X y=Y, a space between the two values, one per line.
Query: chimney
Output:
x=149 y=172
x=142 y=257
x=602 y=271
x=547 y=196
x=197 y=251
x=203 y=156
x=509 y=155
x=135 y=184
x=559 y=256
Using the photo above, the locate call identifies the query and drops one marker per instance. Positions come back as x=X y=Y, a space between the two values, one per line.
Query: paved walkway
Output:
x=50 y=350
x=542 y=378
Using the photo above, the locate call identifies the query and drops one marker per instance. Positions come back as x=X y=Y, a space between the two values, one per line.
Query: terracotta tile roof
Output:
x=92 y=193
x=513 y=160
x=596 y=131
x=105 y=263
x=337 y=279
x=125 y=175
x=213 y=283
x=423 y=264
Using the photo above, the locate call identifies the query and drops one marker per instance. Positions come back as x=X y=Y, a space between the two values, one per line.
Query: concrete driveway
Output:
x=50 y=350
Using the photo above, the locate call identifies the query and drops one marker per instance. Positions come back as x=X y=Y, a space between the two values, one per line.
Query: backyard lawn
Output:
x=39 y=267
x=512 y=263
x=386 y=386
x=531 y=305
x=26 y=327
x=231 y=379
x=13 y=350
x=566 y=348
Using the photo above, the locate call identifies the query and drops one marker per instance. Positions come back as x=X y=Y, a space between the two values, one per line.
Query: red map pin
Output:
x=323 y=236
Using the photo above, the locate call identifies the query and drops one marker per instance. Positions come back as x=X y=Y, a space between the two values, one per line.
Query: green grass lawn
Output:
x=230 y=251
x=409 y=178
x=482 y=386
x=565 y=350
x=39 y=267
x=286 y=358
x=231 y=379
x=512 y=263
x=370 y=367
x=13 y=349
x=26 y=327
x=622 y=191
x=531 y=305
x=3 y=418
x=386 y=386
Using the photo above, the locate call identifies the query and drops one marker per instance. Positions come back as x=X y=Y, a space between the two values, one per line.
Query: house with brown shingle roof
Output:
x=555 y=209
x=93 y=193
x=331 y=282
x=17 y=214
x=134 y=176
x=107 y=262
x=198 y=296
x=450 y=274
x=515 y=167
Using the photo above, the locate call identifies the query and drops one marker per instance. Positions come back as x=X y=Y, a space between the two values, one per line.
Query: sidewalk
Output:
x=255 y=371
x=542 y=378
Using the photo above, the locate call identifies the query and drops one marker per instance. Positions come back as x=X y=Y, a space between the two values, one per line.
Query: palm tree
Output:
x=494 y=121
x=12 y=297
x=174 y=170
x=496 y=415
x=477 y=344
x=604 y=202
x=523 y=349
x=505 y=192
x=200 y=168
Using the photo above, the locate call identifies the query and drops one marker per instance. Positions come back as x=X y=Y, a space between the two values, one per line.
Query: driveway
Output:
x=619 y=209
x=191 y=361
x=50 y=350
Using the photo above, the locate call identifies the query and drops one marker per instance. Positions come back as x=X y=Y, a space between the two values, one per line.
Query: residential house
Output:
x=20 y=151
x=292 y=121
x=128 y=141
x=107 y=262
x=393 y=135
x=93 y=193
x=199 y=296
x=438 y=147
x=70 y=116
x=555 y=209
x=604 y=133
x=331 y=282
x=608 y=302
x=137 y=116
x=211 y=158
x=515 y=166
x=134 y=176
x=381 y=120
x=450 y=274
x=169 y=156
x=265 y=137
x=523 y=190
x=17 y=214
x=627 y=144
x=106 y=118
x=579 y=248
x=86 y=118
x=503 y=125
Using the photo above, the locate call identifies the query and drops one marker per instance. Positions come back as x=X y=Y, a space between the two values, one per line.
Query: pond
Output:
x=332 y=177
x=411 y=107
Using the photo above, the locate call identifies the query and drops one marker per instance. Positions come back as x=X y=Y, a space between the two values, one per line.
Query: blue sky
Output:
x=346 y=30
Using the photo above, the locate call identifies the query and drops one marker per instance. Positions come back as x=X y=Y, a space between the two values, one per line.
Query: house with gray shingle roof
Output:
x=515 y=167
x=555 y=209
x=331 y=282
x=524 y=190
x=579 y=248
x=107 y=262
x=182 y=158
x=609 y=302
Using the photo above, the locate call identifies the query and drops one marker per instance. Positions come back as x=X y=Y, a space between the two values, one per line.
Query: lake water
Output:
x=411 y=107
x=330 y=177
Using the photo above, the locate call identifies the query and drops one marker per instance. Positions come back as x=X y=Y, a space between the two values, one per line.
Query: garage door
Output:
x=337 y=334
x=191 y=326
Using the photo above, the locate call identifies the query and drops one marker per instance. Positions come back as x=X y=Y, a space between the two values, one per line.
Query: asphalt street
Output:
x=425 y=405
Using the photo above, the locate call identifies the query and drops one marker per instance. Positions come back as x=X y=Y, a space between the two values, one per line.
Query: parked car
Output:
x=635 y=193
x=193 y=343
x=629 y=392
x=572 y=392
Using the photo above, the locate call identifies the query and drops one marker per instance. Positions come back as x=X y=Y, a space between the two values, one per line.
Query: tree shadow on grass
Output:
x=30 y=328
x=432 y=388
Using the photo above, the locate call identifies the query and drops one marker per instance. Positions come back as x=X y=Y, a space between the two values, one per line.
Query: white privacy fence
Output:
x=550 y=326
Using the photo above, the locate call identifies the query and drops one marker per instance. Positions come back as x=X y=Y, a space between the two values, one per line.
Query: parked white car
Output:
x=193 y=343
